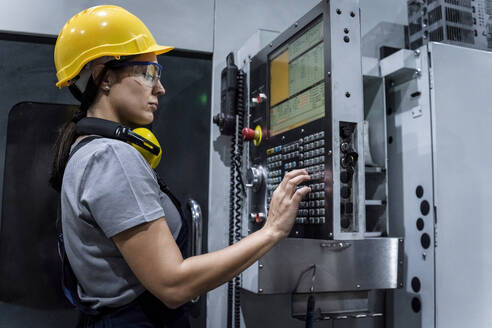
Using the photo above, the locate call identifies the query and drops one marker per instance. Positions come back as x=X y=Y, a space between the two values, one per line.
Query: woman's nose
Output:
x=159 y=89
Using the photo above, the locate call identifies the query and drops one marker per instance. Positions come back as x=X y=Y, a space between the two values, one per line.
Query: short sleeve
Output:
x=119 y=189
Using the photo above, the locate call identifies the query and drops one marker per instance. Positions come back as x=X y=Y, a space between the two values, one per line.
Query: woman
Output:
x=119 y=228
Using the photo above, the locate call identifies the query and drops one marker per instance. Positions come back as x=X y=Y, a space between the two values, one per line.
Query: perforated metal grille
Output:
x=461 y=3
x=435 y=15
x=460 y=34
x=459 y=16
x=437 y=34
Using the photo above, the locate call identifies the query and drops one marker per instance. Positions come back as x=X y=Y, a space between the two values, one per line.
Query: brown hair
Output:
x=68 y=133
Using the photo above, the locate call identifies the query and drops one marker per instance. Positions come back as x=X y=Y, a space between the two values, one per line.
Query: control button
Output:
x=248 y=134
x=322 y=220
x=258 y=99
x=269 y=151
x=322 y=134
x=322 y=203
x=312 y=203
x=322 y=211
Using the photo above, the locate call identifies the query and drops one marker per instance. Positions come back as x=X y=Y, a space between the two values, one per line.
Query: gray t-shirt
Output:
x=108 y=187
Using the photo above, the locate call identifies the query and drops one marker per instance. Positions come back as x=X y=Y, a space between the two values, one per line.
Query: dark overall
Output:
x=146 y=310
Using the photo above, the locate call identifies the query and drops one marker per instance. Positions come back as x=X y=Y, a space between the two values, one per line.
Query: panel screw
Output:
x=339 y=11
x=346 y=30
x=271 y=44
x=347 y=94
x=358 y=286
x=329 y=74
x=346 y=39
x=329 y=153
x=260 y=290
x=296 y=24
x=424 y=256
x=261 y=266
x=417 y=53
x=401 y=284
x=352 y=14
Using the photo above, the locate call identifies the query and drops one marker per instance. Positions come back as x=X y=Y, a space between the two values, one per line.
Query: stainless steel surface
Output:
x=341 y=265
x=196 y=227
x=461 y=141
x=196 y=231
x=402 y=65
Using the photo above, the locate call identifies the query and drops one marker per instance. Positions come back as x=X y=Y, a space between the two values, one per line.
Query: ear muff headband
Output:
x=150 y=150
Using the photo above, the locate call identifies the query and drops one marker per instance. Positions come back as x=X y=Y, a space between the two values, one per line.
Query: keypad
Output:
x=309 y=153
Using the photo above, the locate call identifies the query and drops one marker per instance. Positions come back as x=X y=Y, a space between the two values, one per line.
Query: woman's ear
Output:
x=105 y=81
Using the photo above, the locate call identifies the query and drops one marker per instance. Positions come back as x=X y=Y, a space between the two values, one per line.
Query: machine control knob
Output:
x=255 y=177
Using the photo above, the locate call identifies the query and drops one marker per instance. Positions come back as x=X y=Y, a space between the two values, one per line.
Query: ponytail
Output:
x=68 y=133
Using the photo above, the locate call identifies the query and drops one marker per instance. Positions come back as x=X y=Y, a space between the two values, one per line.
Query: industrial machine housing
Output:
x=391 y=262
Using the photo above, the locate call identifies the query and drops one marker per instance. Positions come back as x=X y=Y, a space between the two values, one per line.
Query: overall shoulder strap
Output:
x=81 y=144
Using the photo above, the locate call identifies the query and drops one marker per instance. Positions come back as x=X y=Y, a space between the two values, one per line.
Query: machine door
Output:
x=30 y=289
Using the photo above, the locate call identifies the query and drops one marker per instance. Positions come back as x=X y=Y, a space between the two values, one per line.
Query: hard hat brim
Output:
x=156 y=49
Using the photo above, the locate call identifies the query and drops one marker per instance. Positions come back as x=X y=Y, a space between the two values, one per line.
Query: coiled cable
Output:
x=238 y=190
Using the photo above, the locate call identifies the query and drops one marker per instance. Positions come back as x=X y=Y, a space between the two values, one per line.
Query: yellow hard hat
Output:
x=100 y=31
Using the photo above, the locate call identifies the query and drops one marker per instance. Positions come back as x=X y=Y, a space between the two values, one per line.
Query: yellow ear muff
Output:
x=153 y=160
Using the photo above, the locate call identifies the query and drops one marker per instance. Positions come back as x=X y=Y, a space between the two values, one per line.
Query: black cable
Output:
x=230 y=287
x=238 y=190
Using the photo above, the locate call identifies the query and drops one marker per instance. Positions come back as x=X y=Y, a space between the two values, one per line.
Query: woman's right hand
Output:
x=285 y=203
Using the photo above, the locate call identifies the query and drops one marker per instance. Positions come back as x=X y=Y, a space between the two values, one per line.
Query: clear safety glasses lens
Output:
x=149 y=73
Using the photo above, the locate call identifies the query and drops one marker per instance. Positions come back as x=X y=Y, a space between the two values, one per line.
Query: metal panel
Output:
x=347 y=106
x=27 y=74
x=410 y=166
x=462 y=176
x=341 y=265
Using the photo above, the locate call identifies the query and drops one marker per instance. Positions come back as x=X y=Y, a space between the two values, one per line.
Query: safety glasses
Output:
x=149 y=73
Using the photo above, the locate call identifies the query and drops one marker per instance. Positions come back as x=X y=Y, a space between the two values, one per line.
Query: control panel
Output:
x=300 y=119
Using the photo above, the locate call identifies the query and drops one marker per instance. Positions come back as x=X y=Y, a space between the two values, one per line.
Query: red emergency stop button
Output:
x=248 y=134
x=255 y=135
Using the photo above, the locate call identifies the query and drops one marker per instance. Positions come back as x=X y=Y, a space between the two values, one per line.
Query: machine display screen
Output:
x=297 y=93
